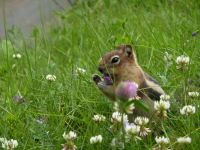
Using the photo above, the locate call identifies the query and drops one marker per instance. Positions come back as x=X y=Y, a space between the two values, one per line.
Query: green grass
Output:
x=78 y=38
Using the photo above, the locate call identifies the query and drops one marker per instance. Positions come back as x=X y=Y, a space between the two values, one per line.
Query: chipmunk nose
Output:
x=101 y=69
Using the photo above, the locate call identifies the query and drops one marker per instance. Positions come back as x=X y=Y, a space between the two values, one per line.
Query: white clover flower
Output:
x=187 y=110
x=161 y=105
x=117 y=143
x=168 y=59
x=193 y=94
x=132 y=129
x=17 y=56
x=117 y=117
x=182 y=62
x=113 y=142
x=50 y=77
x=80 y=71
x=182 y=59
x=70 y=136
x=141 y=121
x=129 y=109
x=161 y=108
x=144 y=131
x=164 y=97
x=99 y=118
x=162 y=140
x=116 y=106
x=96 y=139
x=184 y=140
x=8 y=144
x=3 y=140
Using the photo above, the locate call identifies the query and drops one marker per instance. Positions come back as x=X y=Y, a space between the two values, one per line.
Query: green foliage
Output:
x=78 y=38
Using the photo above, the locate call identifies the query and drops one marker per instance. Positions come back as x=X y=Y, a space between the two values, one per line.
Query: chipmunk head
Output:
x=114 y=62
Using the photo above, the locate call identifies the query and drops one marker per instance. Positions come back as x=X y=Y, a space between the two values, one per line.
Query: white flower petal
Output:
x=184 y=140
x=96 y=139
x=187 y=110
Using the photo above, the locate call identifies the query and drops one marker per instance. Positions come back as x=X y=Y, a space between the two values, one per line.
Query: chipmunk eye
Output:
x=115 y=59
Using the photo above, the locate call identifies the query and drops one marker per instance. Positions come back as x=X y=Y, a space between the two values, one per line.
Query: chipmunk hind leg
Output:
x=149 y=92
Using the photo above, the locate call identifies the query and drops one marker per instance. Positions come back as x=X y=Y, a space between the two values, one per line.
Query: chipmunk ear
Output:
x=128 y=50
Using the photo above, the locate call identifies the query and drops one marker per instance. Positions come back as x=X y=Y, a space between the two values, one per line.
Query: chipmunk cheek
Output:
x=112 y=71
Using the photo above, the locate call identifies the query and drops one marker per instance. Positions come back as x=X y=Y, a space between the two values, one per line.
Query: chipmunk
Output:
x=121 y=65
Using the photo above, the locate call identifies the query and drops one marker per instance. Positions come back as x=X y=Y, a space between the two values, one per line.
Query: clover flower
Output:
x=96 y=139
x=17 y=56
x=193 y=94
x=186 y=140
x=187 y=110
x=117 y=117
x=113 y=142
x=182 y=59
x=132 y=129
x=126 y=90
x=3 y=140
x=80 y=71
x=129 y=109
x=117 y=143
x=8 y=144
x=161 y=105
x=99 y=118
x=164 y=97
x=142 y=122
x=182 y=62
x=144 y=131
x=116 y=106
x=168 y=59
x=162 y=142
x=161 y=108
x=70 y=136
x=50 y=77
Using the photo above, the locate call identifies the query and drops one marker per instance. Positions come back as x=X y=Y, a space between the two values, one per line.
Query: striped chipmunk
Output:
x=121 y=65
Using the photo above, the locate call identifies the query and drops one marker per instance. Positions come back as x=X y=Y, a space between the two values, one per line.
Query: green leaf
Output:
x=141 y=104
x=138 y=104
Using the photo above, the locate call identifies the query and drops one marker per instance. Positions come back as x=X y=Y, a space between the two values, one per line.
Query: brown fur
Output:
x=128 y=69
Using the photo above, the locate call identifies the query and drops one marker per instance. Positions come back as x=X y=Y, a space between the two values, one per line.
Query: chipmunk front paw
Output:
x=96 y=78
x=105 y=85
x=102 y=82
